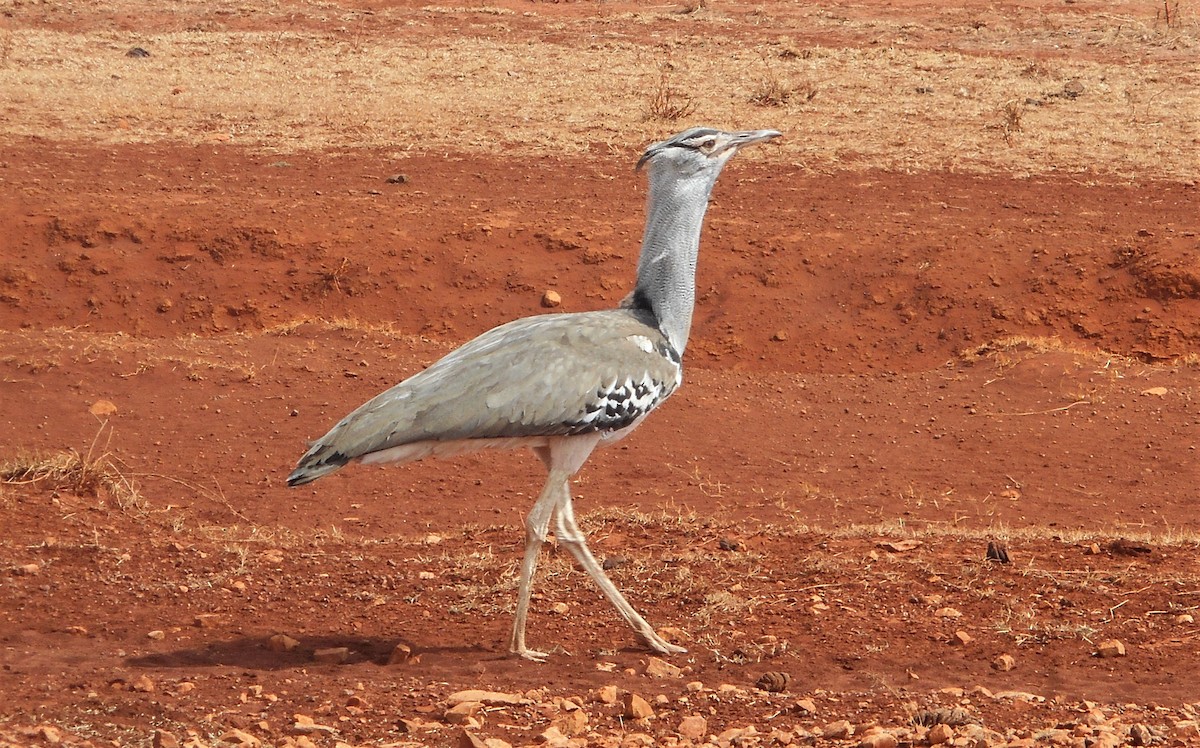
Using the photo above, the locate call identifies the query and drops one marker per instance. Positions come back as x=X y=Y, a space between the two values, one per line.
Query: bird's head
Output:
x=700 y=149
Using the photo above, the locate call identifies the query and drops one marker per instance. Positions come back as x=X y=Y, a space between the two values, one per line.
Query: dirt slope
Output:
x=927 y=321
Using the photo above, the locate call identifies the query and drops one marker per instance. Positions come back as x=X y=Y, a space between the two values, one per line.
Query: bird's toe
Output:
x=531 y=654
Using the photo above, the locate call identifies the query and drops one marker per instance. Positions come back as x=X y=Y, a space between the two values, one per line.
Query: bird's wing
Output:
x=539 y=376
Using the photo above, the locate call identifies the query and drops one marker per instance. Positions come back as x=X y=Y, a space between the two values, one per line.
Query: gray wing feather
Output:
x=538 y=376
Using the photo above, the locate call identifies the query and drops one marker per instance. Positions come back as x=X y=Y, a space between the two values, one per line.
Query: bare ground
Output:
x=929 y=320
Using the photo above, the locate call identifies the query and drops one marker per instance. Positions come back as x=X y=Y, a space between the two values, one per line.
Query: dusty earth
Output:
x=906 y=348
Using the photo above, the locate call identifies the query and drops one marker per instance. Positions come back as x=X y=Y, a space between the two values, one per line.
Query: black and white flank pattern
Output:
x=621 y=404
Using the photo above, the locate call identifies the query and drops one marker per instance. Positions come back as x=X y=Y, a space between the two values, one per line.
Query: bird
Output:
x=560 y=384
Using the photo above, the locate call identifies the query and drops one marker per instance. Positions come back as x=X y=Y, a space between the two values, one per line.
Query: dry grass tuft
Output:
x=71 y=472
x=1010 y=120
x=668 y=103
x=775 y=91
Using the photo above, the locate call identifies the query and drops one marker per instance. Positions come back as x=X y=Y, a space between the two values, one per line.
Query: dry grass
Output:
x=668 y=103
x=284 y=91
x=85 y=475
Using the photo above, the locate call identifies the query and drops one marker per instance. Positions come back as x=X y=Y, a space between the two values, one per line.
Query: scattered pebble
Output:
x=1111 y=648
x=102 y=408
x=488 y=698
x=401 y=653
x=636 y=707
x=773 y=681
x=659 y=668
x=1004 y=663
x=331 y=655
x=282 y=643
x=551 y=299
x=692 y=727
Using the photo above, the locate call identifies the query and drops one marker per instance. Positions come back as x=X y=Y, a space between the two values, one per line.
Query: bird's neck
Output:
x=666 y=277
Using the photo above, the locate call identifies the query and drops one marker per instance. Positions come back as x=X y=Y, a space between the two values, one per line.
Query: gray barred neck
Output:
x=666 y=278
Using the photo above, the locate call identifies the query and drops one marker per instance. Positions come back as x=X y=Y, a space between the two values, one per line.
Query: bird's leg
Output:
x=536 y=526
x=569 y=534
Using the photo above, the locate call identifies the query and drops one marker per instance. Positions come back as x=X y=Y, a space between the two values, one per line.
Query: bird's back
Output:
x=549 y=375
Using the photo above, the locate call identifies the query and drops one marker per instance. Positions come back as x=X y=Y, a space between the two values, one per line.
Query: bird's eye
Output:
x=708 y=144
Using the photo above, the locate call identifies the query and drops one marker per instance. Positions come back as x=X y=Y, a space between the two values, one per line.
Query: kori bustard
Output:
x=560 y=384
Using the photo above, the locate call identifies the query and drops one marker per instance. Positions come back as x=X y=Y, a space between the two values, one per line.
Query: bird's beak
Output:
x=746 y=137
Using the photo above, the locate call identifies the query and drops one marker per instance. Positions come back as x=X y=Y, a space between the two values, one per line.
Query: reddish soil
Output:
x=877 y=357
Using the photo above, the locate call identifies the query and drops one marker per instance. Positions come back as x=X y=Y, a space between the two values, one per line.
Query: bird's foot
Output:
x=530 y=654
x=658 y=644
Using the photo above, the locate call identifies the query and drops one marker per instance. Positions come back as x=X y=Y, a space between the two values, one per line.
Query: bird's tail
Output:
x=321 y=459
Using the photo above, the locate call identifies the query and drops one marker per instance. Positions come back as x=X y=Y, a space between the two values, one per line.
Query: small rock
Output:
x=26 y=570
x=164 y=739
x=461 y=712
x=1155 y=391
x=397 y=179
x=206 y=620
x=1018 y=696
x=636 y=707
x=401 y=653
x=551 y=299
x=554 y=738
x=282 y=643
x=1184 y=618
x=806 y=705
x=1187 y=730
x=692 y=727
x=947 y=613
x=1095 y=717
x=880 y=739
x=659 y=668
x=1139 y=734
x=142 y=684
x=157 y=635
x=900 y=546
x=1073 y=89
x=488 y=698
x=996 y=551
x=560 y=608
x=1111 y=648
x=572 y=722
x=331 y=655
x=471 y=740
x=240 y=738
x=774 y=681
x=962 y=638
x=839 y=730
x=779 y=336
x=137 y=52
x=102 y=408
x=183 y=688
x=305 y=725
x=940 y=733
x=607 y=694
x=1004 y=663
x=738 y=736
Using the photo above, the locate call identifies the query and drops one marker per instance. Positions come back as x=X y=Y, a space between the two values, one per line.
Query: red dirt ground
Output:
x=876 y=357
